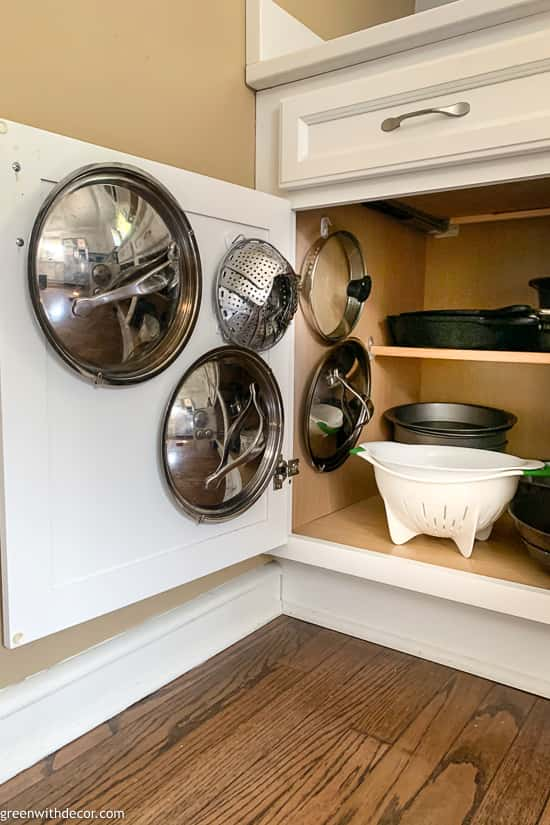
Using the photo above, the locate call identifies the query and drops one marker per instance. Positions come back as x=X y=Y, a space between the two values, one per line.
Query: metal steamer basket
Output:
x=256 y=294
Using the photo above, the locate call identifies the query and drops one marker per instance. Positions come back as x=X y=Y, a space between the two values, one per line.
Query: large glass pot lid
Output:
x=334 y=285
x=222 y=434
x=256 y=294
x=114 y=273
x=338 y=405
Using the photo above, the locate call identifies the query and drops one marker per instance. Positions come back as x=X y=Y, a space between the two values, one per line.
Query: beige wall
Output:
x=161 y=80
x=333 y=18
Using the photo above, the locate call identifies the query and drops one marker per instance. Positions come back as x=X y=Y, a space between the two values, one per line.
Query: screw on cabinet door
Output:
x=19 y=242
x=16 y=166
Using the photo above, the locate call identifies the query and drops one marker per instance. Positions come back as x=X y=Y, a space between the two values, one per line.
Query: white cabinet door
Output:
x=87 y=524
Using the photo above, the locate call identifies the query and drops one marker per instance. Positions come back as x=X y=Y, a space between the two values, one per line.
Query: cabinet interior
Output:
x=501 y=241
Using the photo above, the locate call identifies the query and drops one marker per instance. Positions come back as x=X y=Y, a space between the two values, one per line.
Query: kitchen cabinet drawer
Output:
x=335 y=134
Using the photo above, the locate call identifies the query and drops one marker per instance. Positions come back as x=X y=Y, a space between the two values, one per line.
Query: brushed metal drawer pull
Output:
x=455 y=110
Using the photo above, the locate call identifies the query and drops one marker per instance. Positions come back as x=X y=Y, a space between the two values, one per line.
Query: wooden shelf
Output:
x=500 y=575
x=363 y=525
x=496 y=356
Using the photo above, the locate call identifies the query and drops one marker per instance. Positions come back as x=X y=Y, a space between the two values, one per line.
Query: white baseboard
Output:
x=503 y=648
x=56 y=706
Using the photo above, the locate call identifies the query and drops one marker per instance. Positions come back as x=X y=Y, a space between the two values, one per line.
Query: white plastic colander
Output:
x=458 y=497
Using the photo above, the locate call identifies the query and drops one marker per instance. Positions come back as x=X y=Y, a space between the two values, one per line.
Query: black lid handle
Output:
x=360 y=288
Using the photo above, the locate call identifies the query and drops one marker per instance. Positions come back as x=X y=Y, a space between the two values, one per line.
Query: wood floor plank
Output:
x=130 y=775
x=344 y=658
x=287 y=715
x=303 y=789
x=21 y=784
x=318 y=733
x=315 y=652
x=545 y=816
x=519 y=791
x=412 y=758
x=73 y=750
x=307 y=761
x=310 y=710
x=459 y=779
x=257 y=653
x=155 y=724
x=396 y=688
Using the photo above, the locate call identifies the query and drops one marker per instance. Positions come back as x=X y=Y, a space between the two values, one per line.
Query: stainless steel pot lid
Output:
x=334 y=285
x=114 y=273
x=256 y=294
x=338 y=405
x=222 y=434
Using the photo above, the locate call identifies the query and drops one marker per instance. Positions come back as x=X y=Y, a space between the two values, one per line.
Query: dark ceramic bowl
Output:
x=530 y=511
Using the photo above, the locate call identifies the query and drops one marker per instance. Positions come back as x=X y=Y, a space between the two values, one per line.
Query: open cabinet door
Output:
x=87 y=522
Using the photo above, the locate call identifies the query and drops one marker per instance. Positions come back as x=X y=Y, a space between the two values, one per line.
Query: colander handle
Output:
x=224 y=467
x=544 y=472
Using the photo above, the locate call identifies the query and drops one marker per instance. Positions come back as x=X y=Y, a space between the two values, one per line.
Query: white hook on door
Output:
x=326 y=223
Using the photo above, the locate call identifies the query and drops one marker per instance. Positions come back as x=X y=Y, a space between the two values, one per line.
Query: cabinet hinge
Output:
x=285 y=469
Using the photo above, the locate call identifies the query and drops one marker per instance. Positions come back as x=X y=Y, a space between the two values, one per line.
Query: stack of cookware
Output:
x=530 y=511
x=451 y=425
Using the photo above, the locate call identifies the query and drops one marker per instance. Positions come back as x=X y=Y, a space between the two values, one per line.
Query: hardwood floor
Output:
x=297 y=725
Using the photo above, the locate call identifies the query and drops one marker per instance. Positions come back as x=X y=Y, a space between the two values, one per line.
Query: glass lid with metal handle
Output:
x=114 y=274
x=256 y=294
x=222 y=434
x=334 y=284
x=338 y=405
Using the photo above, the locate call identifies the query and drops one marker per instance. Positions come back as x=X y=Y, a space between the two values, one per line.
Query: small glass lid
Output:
x=338 y=405
x=222 y=434
x=256 y=294
x=334 y=285
x=114 y=273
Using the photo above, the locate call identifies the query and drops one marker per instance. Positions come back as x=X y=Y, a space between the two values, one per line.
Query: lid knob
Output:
x=360 y=288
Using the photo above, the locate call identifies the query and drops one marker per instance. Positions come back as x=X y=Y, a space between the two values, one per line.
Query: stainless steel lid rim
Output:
x=357 y=272
x=187 y=282
x=264 y=394
x=341 y=386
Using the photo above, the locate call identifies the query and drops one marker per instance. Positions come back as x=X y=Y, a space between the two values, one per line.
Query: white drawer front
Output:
x=335 y=134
